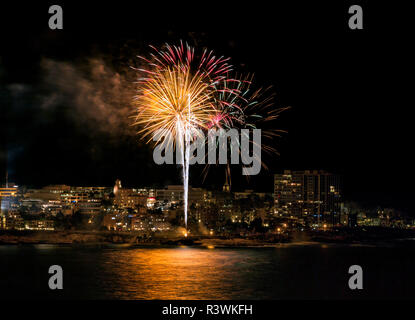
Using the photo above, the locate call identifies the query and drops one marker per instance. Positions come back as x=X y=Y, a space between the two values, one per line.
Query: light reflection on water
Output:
x=180 y=273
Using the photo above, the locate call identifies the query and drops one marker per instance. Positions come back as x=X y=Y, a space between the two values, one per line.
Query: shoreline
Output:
x=131 y=240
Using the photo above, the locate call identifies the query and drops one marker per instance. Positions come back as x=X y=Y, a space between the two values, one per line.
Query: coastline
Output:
x=127 y=240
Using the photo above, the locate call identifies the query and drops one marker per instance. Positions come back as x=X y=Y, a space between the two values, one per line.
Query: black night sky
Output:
x=65 y=93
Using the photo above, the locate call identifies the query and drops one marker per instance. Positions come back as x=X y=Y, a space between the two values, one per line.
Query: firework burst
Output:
x=178 y=91
x=241 y=106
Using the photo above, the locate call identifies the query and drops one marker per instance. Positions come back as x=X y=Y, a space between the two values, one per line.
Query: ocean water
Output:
x=288 y=271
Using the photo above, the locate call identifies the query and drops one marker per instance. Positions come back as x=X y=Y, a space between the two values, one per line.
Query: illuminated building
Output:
x=9 y=192
x=74 y=197
x=49 y=193
x=46 y=225
x=12 y=221
x=8 y=196
x=174 y=194
x=309 y=195
x=149 y=194
x=65 y=199
x=129 y=198
x=89 y=207
x=288 y=193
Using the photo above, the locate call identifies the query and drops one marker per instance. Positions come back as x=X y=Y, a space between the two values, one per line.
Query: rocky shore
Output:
x=111 y=238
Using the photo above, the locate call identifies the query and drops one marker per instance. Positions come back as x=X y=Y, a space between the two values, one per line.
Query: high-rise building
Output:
x=313 y=195
x=288 y=193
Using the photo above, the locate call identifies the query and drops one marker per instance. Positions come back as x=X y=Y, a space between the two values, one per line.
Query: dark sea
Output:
x=288 y=271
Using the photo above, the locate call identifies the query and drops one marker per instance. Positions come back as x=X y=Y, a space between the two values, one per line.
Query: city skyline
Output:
x=271 y=189
x=283 y=188
x=300 y=199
